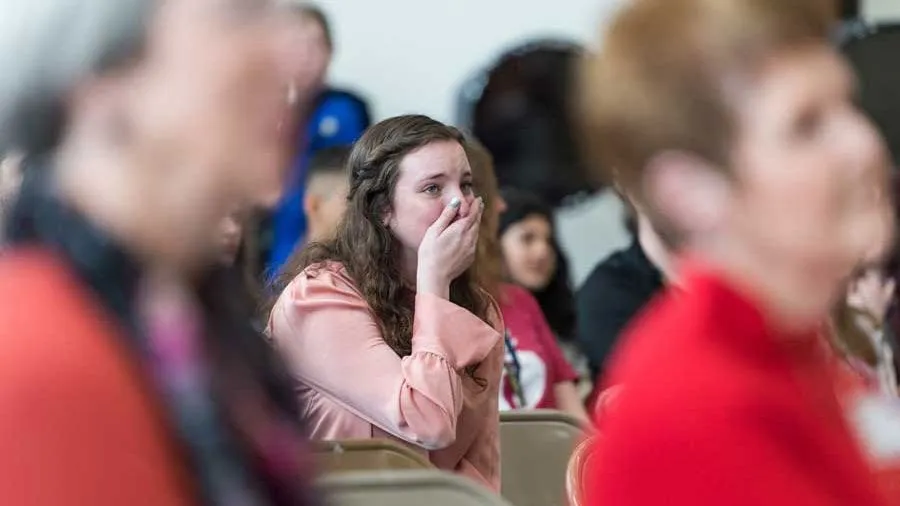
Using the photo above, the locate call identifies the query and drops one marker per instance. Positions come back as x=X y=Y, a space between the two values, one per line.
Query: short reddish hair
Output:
x=658 y=82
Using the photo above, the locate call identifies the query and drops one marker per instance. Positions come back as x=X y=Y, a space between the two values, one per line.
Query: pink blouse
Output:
x=352 y=385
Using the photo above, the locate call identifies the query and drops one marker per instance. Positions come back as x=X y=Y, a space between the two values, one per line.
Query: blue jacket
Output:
x=339 y=119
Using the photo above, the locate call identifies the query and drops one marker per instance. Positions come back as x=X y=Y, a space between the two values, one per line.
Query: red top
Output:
x=718 y=408
x=541 y=364
x=76 y=428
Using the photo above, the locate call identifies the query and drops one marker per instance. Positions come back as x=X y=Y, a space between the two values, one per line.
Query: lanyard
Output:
x=513 y=372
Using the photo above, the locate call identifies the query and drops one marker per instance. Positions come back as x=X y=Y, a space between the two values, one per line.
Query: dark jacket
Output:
x=613 y=294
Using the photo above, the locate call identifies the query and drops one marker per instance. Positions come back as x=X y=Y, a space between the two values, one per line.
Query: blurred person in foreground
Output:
x=732 y=123
x=536 y=374
x=130 y=375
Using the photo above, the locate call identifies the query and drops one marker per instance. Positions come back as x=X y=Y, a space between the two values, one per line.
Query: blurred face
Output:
x=528 y=252
x=229 y=235
x=305 y=51
x=203 y=110
x=811 y=173
x=429 y=178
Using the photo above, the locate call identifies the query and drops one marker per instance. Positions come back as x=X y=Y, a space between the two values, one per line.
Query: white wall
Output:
x=411 y=56
x=881 y=10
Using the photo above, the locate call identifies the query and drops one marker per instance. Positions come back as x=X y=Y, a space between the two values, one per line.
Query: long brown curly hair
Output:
x=364 y=245
x=489 y=262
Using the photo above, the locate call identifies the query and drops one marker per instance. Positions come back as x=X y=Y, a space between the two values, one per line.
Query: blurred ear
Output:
x=311 y=204
x=688 y=193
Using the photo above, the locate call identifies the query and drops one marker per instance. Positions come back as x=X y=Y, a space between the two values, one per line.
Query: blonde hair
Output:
x=659 y=81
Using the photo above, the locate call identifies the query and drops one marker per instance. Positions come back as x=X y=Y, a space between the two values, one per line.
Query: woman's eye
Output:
x=431 y=189
x=467 y=188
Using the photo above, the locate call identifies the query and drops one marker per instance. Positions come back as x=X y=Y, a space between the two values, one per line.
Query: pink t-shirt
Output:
x=534 y=364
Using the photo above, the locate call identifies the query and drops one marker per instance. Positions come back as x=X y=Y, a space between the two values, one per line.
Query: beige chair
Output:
x=406 y=488
x=366 y=455
x=535 y=447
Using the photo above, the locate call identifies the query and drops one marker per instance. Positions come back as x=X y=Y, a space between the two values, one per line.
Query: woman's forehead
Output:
x=435 y=161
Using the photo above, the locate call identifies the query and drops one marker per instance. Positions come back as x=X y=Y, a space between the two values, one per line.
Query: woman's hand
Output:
x=448 y=248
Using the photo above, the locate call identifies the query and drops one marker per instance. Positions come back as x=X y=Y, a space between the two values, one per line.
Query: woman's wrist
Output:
x=433 y=285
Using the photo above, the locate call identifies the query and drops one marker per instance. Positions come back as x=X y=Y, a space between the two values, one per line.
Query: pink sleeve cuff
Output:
x=443 y=328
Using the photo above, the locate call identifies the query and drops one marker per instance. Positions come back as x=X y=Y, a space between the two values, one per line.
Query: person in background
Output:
x=618 y=288
x=866 y=383
x=859 y=326
x=332 y=118
x=327 y=186
x=130 y=374
x=236 y=261
x=229 y=236
x=533 y=259
x=386 y=329
x=732 y=123
x=536 y=374
x=10 y=179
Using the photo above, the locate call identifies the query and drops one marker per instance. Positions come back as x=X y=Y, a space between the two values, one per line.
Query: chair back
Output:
x=535 y=447
x=366 y=455
x=406 y=488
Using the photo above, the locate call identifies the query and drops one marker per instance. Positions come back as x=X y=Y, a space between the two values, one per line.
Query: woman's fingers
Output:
x=474 y=218
x=446 y=218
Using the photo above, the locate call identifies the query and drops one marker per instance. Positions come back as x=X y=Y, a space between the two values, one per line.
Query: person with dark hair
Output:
x=533 y=259
x=332 y=118
x=619 y=288
x=733 y=127
x=864 y=350
x=536 y=374
x=327 y=185
x=387 y=330
x=860 y=328
x=131 y=374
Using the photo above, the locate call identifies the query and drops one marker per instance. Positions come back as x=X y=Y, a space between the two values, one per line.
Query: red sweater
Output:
x=76 y=424
x=717 y=408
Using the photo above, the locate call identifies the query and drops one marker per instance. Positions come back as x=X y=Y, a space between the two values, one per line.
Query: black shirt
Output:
x=613 y=294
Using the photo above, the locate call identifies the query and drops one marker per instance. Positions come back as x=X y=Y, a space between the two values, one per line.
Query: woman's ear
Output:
x=689 y=192
x=311 y=203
